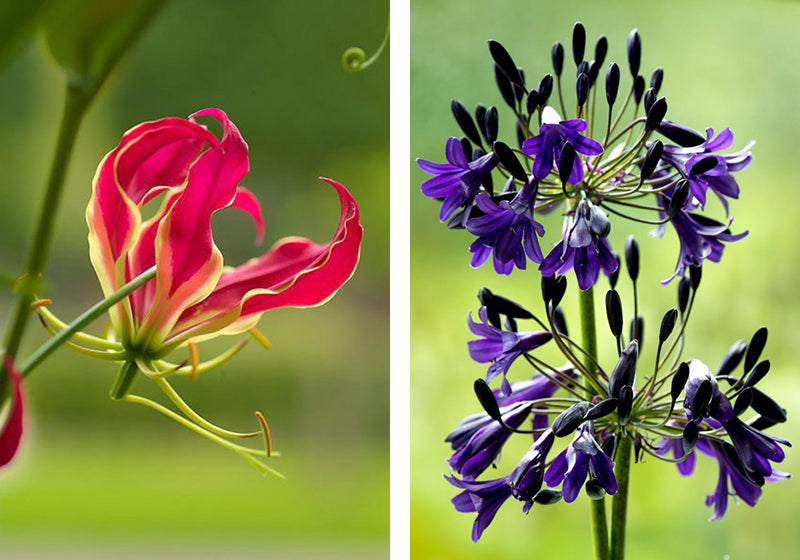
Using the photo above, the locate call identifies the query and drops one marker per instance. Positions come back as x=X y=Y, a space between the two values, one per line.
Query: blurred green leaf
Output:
x=16 y=22
x=88 y=37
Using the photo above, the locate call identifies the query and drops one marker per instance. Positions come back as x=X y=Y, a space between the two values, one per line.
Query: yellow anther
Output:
x=267 y=436
x=194 y=359
x=263 y=340
x=43 y=302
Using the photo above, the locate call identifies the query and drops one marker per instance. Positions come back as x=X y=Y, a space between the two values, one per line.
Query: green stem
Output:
x=589 y=342
x=124 y=381
x=619 y=505
x=75 y=104
x=85 y=318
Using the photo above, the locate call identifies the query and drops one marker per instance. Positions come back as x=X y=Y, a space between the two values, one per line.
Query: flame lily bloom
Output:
x=192 y=296
x=11 y=431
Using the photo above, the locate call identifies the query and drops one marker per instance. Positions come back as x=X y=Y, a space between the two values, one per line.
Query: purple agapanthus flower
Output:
x=700 y=237
x=500 y=347
x=583 y=247
x=553 y=134
x=458 y=180
x=478 y=439
x=704 y=170
x=675 y=446
x=582 y=457
x=507 y=229
x=527 y=477
x=482 y=497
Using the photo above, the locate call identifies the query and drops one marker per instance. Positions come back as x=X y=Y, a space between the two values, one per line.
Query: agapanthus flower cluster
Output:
x=619 y=155
x=577 y=415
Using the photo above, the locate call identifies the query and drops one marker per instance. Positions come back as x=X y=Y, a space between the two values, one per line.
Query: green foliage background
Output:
x=726 y=64
x=102 y=476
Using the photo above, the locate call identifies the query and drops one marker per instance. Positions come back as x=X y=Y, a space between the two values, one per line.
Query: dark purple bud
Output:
x=695 y=275
x=651 y=159
x=634 y=52
x=578 y=42
x=638 y=89
x=566 y=161
x=519 y=90
x=656 y=79
x=612 y=83
x=553 y=289
x=767 y=407
x=679 y=380
x=601 y=409
x=667 y=325
x=569 y=420
x=690 y=433
x=755 y=348
x=733 y=358
x=632 y=257
x=487 y=399
x=505 y=87
x=502 y=305
x=520 y=134
x=533 y=101
x=509 y=160
x=488 y=184
x=582 y=88
x=704 y=165
x=480 y=119
x=684 y=289
x=637 y=328
x=649 y=98
x=625 y=404
x=757 y=373
x=600 y=50
x=505 y=63
x=594 y=70
x=558 y=58
x=594 y=489
x=545 y=88
x=490 y=126
x=560 y=322
x=743 y=401
x=681 y=135
x=466 y=146
x=624 y=372
x=702 y=398
x=487 y=300
x=583 y=68
x=464 y=120
x=614 y=312
x=547 y=497
x=679 y=196
x=614 y=276
x=656 y=114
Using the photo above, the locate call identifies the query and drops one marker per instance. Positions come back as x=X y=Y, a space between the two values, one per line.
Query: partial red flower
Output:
x=11 y=430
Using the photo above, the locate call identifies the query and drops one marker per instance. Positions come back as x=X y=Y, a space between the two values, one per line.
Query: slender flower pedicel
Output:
x=585 y=420
x=164 y=279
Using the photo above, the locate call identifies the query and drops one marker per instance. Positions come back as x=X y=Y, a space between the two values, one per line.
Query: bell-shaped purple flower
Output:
x=478 y=439
x=527 y=477
x=508 y=230
x=458 y=180
x=707 y=171
x=483 y=497
x=500 y=347
x=553 y=134
x=583 y=248
x=700 y=237
x=582 y=457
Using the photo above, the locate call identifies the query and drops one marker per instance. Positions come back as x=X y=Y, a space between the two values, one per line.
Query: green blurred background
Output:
x=726 y=64
x=112 y=480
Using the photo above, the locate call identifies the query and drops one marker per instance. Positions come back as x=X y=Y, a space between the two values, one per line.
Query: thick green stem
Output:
x=75 y=104
x=85 y=318
x=589 y=342
x=124 y=381
x=619 y=505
